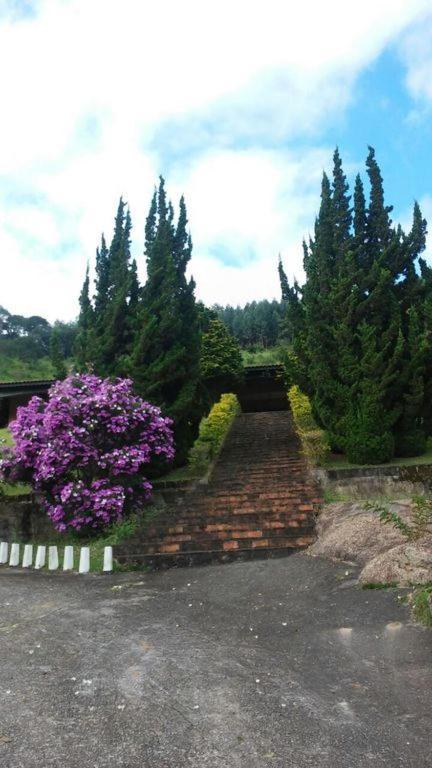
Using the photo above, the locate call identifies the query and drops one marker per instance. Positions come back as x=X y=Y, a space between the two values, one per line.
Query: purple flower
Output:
x=85 y=450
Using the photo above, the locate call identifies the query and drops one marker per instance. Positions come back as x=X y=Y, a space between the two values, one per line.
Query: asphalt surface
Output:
x=282 y=662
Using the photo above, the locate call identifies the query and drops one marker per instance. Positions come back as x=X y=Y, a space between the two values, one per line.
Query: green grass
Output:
x=16 y=369
x=338 y=461
x=421 y=606
x=178 y=474
x=270 y=356
x=17 y=489
x=6 y=436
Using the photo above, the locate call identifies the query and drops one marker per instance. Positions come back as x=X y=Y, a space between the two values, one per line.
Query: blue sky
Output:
x=238 y=105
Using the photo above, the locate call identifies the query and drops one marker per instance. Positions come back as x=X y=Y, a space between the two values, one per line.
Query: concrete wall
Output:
x=21 y=519
x=371 y=482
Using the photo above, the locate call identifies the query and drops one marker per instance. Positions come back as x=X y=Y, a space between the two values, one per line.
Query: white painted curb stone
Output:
x=14 y=555
x=3 y=552
x=84 y=562
x=68 y=558
x=53 y=561
x=27 y=556
x=108 y=559
x=40 y=556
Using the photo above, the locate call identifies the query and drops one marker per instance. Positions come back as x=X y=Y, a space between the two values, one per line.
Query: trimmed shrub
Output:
x=366 y=448
x=314 y=440
x=212 y=432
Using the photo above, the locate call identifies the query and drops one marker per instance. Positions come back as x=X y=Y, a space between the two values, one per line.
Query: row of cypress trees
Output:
x=361 y=325
x=157 y=333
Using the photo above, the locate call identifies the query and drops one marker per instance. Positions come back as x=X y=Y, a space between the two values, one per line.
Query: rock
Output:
x=347 y=531
x=407 y=564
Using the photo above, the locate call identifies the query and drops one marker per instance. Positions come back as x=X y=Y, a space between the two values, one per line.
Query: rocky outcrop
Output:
x=349 y=531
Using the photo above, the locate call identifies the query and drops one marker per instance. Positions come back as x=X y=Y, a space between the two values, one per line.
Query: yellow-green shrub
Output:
x=314 y=441
x=212 y=432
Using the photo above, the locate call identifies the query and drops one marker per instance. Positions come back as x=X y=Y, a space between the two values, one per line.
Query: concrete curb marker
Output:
x=4 y=547
x=68 y=558
x=108 y=559
x=53 y=560
x=40 y=556
x=84 y=561
x=53 y=557
x=27 y=560
x=14 y=555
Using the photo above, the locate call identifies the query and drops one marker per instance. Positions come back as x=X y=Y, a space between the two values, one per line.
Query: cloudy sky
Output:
x=238 y=104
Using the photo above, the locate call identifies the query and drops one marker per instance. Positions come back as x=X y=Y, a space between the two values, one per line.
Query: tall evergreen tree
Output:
x=166 y=352
x=84 y=342
x=362 y=322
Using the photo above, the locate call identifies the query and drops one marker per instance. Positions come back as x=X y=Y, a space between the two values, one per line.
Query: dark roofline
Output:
x=29 y=387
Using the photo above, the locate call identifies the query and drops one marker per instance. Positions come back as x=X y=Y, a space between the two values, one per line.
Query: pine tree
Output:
x=361 y=325
x=114 y=313
x=166 y=351
x=84 y=342
x=102 y=280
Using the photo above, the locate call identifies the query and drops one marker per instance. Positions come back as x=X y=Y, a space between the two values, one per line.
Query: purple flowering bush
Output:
x=86 y=449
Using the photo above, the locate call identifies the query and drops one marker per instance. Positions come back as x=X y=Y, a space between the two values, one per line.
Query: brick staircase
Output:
x=260 y=501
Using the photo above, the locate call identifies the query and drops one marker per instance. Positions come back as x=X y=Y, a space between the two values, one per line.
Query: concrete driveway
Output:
x=275 y=663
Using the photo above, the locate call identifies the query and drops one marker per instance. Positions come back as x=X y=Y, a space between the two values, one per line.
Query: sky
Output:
x=238 y=104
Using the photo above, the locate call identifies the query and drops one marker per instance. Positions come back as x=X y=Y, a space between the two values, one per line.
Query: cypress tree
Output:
x=362 y=323
x=102 y=279
x=114 y=312
x=84 y=342
x=166 y=351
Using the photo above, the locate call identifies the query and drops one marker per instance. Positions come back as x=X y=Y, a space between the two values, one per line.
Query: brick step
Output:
x=224 y=515
x=163 y=560
x=214 y=545
x=215 y=537
x=232 y=506
x=260 y=501
x=245 y=494
x=210 y=528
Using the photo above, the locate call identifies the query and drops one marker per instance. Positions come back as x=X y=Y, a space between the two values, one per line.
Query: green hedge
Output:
x=212 y=432
x=314 y=440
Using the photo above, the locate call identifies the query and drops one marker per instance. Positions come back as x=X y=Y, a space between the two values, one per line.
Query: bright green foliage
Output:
x=56 y=356
x=166 y=350
x=213 y=430
x=314 y=441
x=422 y=605
x=221 y=360
x=361 y=325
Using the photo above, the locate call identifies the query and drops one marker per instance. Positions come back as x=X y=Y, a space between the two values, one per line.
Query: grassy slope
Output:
x=261 y=356
x=18 y=488
x=15 y=369
x=340 y=462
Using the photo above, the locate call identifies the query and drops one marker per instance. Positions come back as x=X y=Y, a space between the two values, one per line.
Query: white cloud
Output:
x=417 y=52
x=89 y=88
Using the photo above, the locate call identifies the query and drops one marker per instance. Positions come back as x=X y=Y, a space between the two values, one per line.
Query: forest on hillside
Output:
x=26 y=345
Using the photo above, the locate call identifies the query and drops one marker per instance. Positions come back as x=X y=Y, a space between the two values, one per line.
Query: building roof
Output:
x=29 y=387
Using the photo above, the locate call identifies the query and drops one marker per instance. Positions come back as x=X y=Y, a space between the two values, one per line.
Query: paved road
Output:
x=274 y=663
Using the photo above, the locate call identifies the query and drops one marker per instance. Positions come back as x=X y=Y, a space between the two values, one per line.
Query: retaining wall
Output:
x=22 y=519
